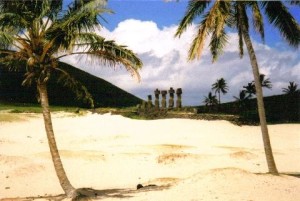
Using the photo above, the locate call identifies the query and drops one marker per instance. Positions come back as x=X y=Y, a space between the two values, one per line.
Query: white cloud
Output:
x=166 y=65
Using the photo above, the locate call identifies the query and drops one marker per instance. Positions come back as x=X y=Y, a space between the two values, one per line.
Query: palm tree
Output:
x=242 y=96
x=210 y=100
x=36 y=34
x=250 y=89
x=217 y=16
x=291 y=89
x=220 y=86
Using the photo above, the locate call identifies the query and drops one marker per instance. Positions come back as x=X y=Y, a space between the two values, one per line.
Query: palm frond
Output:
x=219 y=37
x=85 y=19
x=6 y=39
x=108 y=52
x=258 y=22
x=281 y=18
x=194 y=9
x=265 y=82
x=217 y=44
x=24 y=12
x=12 y=60
x=205 y=28
x=77 y=87
x=12 y=20
x=241 y=44
x=295 y=2
x=241 y=19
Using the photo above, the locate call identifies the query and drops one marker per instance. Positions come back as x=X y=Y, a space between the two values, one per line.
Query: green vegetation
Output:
x=279 y=109
x=33 y=108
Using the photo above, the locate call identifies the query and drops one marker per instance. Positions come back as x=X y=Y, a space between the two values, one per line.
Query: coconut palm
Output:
x=36 y=34
x=220 y=86
x=219 y=16
x=242 y=96
x=291 y=88
x=250 y=89
x=210 y=100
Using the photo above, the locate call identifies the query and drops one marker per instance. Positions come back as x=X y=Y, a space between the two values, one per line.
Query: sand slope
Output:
x=186 y=159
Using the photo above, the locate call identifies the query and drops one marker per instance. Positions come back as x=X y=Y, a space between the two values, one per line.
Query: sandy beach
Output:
x=186 y=160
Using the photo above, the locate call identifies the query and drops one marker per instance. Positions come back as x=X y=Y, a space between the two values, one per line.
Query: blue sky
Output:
x=164 y=14
x=148 y=26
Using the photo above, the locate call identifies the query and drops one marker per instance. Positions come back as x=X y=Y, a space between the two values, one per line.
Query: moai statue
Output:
x=156 y=102
x=149 y=104
x=164 y=101
x=178 y=101
x=171 y=100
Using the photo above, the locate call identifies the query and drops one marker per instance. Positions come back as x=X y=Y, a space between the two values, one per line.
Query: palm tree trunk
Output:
x=69 y=190
x=260 y=104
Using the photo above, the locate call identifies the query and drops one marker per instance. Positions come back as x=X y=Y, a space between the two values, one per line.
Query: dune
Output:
x=181 y=159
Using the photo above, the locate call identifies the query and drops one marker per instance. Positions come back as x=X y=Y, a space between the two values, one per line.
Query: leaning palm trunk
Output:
x=260 y=103
x=69 y=190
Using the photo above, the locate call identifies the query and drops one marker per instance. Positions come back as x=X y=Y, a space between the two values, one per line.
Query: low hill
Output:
x=104 y=93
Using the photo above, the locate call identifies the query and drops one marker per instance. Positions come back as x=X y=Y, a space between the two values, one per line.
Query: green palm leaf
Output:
x=279 y=16
x=257 y=17
x=194 y=9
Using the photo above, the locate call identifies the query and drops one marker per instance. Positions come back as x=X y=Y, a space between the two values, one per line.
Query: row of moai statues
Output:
x=164 y=99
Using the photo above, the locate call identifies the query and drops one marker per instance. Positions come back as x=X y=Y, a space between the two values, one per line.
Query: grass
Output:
x=33 y=108
x=11 y=112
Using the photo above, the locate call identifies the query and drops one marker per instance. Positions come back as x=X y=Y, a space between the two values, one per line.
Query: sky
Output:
x=147 y=27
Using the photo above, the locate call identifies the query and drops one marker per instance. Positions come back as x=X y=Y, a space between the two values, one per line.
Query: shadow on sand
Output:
x=92 y=194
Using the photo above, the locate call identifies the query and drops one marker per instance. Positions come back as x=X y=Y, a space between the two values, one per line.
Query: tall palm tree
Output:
x=220 y=86
x=291 y=89
x=210 y=100
x=242 y=98
x=250 y=89
x=36 y=34
x=219 y=15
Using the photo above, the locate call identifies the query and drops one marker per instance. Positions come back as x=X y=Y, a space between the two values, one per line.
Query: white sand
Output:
x=199 y=160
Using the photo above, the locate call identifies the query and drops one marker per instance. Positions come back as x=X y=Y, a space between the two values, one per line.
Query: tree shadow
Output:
x=293 y=174
x=93 y=194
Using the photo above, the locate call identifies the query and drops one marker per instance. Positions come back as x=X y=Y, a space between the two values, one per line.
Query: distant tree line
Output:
x=279 y=108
